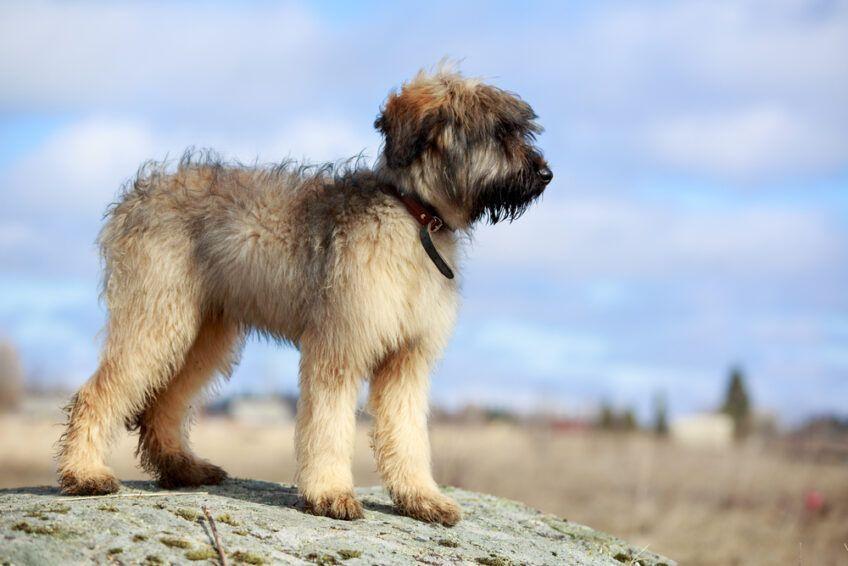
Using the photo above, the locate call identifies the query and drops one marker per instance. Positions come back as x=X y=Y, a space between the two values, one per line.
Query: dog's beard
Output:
x=507 y=198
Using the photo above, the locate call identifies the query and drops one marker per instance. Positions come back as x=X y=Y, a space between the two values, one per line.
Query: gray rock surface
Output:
x=261 y=523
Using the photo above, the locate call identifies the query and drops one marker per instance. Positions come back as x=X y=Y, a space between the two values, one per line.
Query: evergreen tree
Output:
x=660 y=415
x=606 y=418
x=628 y=421
x=737 y=403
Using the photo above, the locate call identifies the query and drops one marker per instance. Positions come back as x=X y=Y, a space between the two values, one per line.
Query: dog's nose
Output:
x=546 y=174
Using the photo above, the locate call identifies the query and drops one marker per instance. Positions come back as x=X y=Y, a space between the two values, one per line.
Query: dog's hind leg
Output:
x=325 y=429
x=398 y=401
x=163 y=441
x=153 y=322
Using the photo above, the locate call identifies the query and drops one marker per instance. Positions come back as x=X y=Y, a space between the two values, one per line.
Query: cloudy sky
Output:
x=698 y=218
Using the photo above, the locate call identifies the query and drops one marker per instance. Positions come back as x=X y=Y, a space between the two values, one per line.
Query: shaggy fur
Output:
x=316 y=256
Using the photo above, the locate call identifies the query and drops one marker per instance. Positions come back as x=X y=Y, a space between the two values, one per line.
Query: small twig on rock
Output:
x=119 y=495
x=635 y=558
x=218 y=546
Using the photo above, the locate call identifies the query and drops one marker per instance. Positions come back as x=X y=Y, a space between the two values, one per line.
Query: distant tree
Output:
x=610 y=419
x=11 y=377
x=628 y=421
x=660 y=415
x=499 y=414
x=737 y=403
x=606 y=417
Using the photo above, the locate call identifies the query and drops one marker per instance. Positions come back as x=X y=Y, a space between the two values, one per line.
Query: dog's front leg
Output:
x=398 y=401
x=324 y=436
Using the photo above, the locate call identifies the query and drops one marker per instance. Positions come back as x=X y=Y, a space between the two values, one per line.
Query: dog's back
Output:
x=259 y=244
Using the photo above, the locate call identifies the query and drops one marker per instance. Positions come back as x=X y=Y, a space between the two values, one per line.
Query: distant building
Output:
x=255 y=409
x=44 y=406
x=566 y=424
x=473 y=415
x=821 y=438
x=709 y=430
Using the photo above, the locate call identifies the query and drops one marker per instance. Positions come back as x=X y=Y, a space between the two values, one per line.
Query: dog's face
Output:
x=464 y=146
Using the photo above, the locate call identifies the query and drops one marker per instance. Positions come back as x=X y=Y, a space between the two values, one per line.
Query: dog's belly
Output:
x=262 y=296
x=256 y=281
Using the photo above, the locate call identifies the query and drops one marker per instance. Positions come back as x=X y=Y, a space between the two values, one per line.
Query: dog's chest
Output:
x=432 y=299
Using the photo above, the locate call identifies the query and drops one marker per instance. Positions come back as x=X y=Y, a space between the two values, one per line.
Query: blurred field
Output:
x=743 y=505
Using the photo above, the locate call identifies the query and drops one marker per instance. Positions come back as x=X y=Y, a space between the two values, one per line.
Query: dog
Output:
x=352 y=265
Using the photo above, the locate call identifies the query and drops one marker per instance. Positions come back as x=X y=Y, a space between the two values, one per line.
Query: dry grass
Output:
x=737 y=506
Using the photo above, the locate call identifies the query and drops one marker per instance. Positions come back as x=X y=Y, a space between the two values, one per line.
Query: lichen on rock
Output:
x=263 y=523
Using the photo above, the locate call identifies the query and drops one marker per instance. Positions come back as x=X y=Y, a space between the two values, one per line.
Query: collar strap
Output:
x=430 y=222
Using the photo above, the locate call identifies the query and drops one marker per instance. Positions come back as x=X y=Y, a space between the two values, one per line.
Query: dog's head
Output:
x=464 y=146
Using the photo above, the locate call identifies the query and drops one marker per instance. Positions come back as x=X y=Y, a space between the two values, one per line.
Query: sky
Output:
x=698 y=218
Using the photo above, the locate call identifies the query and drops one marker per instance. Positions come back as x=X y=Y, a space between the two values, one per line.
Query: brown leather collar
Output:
x=424 y=214
x=430 y=222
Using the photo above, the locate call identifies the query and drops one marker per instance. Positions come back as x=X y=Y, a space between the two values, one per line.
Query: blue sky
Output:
x=698 y=217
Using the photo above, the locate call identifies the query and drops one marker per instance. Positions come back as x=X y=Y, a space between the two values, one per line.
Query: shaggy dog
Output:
x=351 y=265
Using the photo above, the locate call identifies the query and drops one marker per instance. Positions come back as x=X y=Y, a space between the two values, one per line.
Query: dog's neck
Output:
x=406 y=185
x=423 y=212
x=429 y=220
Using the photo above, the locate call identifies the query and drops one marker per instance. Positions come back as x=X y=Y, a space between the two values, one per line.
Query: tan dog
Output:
x=351 y=265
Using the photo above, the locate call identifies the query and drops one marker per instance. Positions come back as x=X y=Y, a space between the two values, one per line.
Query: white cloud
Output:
x=80 y=167
x=536 y=349
x=323 y=139
x=609 y=79
x=693 y=82
x=598 y=237
x=747 y=143
x=61 y=55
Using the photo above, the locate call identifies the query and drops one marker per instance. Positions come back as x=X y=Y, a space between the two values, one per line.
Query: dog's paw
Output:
x=189 y=472
x=210 y=474
x=339 y=505
x=98 y=482
x=430 y=507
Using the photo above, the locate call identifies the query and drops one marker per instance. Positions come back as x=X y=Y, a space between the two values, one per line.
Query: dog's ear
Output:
x=409 y=124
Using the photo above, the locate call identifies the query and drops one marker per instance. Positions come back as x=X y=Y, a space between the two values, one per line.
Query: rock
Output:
x=262 y=523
